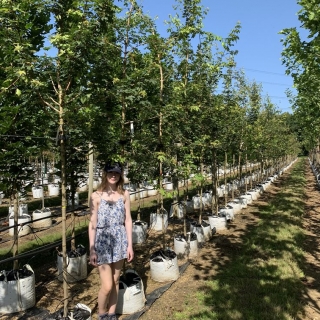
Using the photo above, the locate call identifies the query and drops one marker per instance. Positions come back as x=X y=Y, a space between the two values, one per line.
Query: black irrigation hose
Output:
x=39 y=219
x=39 y=250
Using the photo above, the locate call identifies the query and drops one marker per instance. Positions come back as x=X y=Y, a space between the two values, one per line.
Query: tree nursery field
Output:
x=223 y=199
x=229 y=274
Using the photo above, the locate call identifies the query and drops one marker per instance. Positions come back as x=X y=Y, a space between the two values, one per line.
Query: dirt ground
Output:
x=210 y=260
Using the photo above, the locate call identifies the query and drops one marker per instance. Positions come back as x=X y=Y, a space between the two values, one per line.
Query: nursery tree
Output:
x=158 y=54
x=135 y=90
x=22 y=30
x=69 y=83
x=301 y=59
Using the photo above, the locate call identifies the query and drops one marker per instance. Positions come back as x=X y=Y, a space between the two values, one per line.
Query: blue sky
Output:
x=259 y=45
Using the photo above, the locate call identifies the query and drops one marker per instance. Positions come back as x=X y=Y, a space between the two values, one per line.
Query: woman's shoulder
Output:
x=126 y=195
x=96 y=195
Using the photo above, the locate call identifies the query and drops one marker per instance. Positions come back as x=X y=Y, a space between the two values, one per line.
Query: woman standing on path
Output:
x=110 y=236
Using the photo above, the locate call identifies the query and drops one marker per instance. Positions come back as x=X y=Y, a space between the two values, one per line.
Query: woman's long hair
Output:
x=104 y=183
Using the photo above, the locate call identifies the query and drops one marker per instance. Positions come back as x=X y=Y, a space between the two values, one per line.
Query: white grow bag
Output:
x=152 y=191
x=53 y=189
x=164 y=266
x=45 y=216
x=23 y=225
x=157 y=220
x=186 y=246
x=218 y=223
x=227 y=212
x=131 y=297
x=19 y=294
x=37 y=192
x=236 y=205
x=76 y=266
x=244 y=202
x=203 y=231
x=179 y=207
x=139 y=231
x=197 y=202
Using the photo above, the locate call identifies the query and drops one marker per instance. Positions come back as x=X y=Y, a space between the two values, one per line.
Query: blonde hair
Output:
x=104 y=183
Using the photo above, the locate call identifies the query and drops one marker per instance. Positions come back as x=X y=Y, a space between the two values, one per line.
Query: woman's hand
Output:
x=93 y=258
x=130 y=254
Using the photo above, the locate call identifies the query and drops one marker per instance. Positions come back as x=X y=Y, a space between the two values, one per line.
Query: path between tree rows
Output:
x=212 y=259
x=214 y=256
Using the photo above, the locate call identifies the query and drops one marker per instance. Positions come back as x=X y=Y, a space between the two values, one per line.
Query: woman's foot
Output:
x=104 y=316
x=112 y=316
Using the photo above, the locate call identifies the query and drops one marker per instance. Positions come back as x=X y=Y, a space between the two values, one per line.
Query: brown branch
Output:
x=54 y=87
x=11 y=85
x=48 y=104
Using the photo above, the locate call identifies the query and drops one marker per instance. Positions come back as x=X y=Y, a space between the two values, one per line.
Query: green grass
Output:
x=262 y=279
x=40 y=258
x=48 y=203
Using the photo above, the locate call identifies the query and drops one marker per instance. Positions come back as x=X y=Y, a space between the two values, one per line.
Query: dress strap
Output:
x=99 y=194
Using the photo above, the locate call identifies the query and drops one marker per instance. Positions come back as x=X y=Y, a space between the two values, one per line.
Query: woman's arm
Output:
x=128 y=225
x=94 y=205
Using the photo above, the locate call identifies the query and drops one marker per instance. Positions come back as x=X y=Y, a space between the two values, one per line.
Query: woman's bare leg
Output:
x=113 y=297
x=106 y=278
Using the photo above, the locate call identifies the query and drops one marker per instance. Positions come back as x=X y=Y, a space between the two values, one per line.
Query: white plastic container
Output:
x=151 y=191
x=186 y=246
x=126 y=179
x=164 y=267
x=180 y=184
x=24 y=227
x=218 y=223
x=37 y=192
x=143 y=193
x=131 y=297
x=236 y=206
x=157 y=220
x=168 y=186
x=139 y=231
x=227 y=212
x=57 y=179
x=207 y=231
x=80 y=310
x=207 y=199
x=248 y=197
x=45 y=216
x=220 y=192
x=53 y=189
x=177 y=208
x=23 y=209
x=82 y=186
x=17 y=295
x=199 y=231
x=76 y=268
x=196 y=202
x=243 y=202
x=254 y=194
x=96 y=182
x=133 y=196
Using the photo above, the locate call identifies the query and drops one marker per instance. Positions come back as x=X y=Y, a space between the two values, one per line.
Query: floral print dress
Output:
x=111 y=238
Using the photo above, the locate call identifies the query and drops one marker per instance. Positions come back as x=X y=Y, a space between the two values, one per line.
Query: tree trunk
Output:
x=15 y=248
x=225 y=178
x=63 y=210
